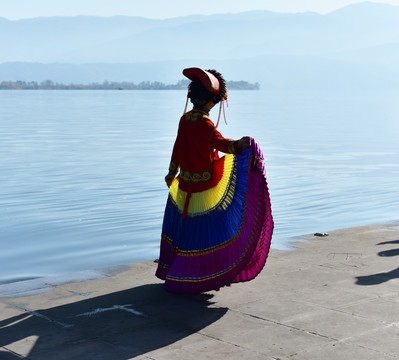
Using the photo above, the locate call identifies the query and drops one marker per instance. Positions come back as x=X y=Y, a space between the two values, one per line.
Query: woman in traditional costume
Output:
x=218 y=224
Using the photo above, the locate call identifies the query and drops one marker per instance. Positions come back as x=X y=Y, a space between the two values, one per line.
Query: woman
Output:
x=218 y=224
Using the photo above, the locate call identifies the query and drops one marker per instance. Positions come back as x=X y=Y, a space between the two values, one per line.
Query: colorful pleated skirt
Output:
x=223 y=236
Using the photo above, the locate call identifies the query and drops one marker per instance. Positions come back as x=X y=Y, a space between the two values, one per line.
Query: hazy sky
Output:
x=18 y=9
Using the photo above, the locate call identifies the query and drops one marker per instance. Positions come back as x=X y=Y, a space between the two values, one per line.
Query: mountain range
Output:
x=355 y=46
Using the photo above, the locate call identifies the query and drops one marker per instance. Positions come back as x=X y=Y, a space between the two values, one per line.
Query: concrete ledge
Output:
x=335 y=297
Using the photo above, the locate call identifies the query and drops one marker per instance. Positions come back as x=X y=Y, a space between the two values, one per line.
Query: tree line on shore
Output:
x=113 y=85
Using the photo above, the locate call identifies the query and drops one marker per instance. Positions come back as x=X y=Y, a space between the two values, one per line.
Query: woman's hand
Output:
x=243 y=143
x=169 y=179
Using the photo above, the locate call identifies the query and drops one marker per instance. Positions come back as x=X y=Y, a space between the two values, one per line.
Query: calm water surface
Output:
x=81 y=172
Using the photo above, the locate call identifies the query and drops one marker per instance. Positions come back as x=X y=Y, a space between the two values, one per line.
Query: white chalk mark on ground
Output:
x=115 y=307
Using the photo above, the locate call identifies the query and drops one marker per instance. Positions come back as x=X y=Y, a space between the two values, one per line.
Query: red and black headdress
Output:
x=205 y=86
x=212 y=80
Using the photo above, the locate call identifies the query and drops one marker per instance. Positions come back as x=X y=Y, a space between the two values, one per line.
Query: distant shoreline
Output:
x=112 y=85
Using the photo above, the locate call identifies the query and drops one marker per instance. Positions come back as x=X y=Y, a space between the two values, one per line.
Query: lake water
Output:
x=81 y=172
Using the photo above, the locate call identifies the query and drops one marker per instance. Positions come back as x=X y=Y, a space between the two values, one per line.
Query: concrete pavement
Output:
x=334 y=297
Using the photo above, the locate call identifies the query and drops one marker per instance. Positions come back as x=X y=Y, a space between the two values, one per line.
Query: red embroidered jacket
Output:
x=196 y=150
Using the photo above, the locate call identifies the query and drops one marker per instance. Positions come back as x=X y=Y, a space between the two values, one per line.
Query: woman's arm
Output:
x=229 y=146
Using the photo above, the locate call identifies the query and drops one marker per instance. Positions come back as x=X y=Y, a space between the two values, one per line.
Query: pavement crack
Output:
x=380 y=353
x=44 y=317
x=222 y=341
x=14 y=353
x=290 y=326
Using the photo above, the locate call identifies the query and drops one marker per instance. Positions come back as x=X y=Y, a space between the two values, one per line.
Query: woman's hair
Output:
x=200 y=95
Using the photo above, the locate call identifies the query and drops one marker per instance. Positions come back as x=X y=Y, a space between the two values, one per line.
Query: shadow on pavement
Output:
x=120 y=325
x=380 y=278
x=389 y=242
